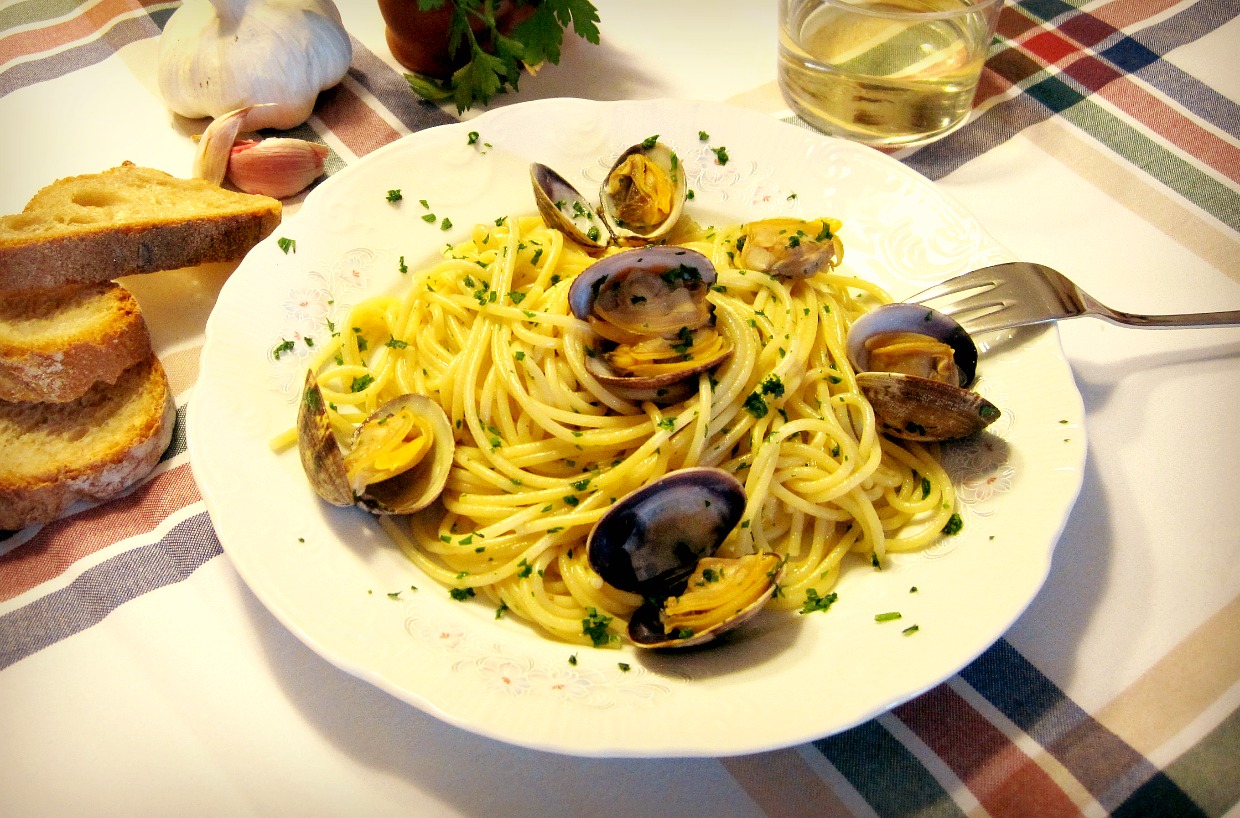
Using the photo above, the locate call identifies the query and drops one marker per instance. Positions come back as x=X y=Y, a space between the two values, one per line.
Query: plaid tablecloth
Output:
x=139 y=676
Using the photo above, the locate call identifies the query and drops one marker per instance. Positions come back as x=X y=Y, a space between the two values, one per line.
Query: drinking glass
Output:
x=888 y=73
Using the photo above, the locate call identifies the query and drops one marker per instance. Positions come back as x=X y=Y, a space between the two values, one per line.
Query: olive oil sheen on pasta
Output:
x=890 y=73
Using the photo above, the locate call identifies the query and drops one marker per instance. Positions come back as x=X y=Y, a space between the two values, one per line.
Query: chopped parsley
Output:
x=595 y=627
x=756 y=405
x=954 y=525
x=287 y=245
x=394 y=195
x=284 y=346
x=813 y=602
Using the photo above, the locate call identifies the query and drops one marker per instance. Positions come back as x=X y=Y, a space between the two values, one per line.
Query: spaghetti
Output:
x=542 y=449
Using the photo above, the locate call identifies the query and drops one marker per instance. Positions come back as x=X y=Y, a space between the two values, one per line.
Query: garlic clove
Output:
x=278 y=167
x=215 y=145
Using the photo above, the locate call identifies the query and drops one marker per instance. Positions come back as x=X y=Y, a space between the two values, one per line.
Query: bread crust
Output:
x=47 y=463
x=124 y=221
x=55 y=344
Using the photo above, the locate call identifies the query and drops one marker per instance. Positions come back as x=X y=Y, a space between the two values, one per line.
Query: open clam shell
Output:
x=659 y=541
x=643 y=194
x=924 y=397
x=376 y=486
x=564 y=208
x=649 y=307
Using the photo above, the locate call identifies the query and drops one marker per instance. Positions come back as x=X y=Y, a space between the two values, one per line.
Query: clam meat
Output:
x=397 y=461
x=660 y=540
x=643 y=193
x=790 y=248
x=649 y=309
x=914 y=365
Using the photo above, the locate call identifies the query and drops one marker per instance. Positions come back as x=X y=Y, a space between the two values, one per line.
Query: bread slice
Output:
x=55 y=344
x=127 y=220
x=55 y=454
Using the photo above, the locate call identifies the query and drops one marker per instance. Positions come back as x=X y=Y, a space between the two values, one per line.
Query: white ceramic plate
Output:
x=333 y=578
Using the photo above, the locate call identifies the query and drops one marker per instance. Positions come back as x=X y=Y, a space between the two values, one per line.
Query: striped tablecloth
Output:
x=139 y=676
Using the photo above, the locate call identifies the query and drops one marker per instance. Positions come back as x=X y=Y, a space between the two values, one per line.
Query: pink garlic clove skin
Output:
x=278 y=167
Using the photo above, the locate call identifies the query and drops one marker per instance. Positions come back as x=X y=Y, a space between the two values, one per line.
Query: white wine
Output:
x=876 y=73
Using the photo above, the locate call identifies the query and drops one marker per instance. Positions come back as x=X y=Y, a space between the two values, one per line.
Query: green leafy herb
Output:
x=493 y=69
x=954 y=525
x=287 y=244
x=394 y=196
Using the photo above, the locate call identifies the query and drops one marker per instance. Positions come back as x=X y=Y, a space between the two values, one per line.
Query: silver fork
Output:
x=1019 y=293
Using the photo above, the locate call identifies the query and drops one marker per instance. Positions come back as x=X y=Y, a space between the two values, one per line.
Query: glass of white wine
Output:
x=888 y=73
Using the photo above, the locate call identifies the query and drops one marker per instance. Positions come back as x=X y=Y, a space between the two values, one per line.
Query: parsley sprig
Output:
x=535 y=40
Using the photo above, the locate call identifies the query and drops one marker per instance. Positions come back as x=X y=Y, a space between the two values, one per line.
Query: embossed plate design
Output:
x=333 y=578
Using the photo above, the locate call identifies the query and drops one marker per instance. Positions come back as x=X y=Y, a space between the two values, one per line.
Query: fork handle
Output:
x=1226 y=318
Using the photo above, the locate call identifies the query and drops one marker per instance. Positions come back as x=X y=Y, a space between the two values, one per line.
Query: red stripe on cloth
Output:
x=354 y=122
x=62 y=543
x=1185 y=134
x=1006 y=781
x=82 y=26
x=1123 y=13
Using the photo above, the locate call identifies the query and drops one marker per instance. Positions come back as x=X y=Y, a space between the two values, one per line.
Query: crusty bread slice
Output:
x=126 y=220
x=54 y=454
x=55 y=344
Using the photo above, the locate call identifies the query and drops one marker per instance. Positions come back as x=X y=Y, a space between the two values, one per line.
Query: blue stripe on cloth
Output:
x=112 y=39
x=891 y=779
x=1111 y=770
x=103 y=588
x=1188 y=26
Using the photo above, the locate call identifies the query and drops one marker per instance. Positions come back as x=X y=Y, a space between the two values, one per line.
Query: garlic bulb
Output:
x=219 y=55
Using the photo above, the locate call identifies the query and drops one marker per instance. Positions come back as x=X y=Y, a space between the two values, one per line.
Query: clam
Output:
x=790 y=248
x=397 y=461
x=914 y=365
x=649 y=308
x=659 y=541
x=562 y=207
x=644 y=193
x=641 y=199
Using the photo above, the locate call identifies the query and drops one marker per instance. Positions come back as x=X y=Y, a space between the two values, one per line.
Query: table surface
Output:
x=140 y=676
